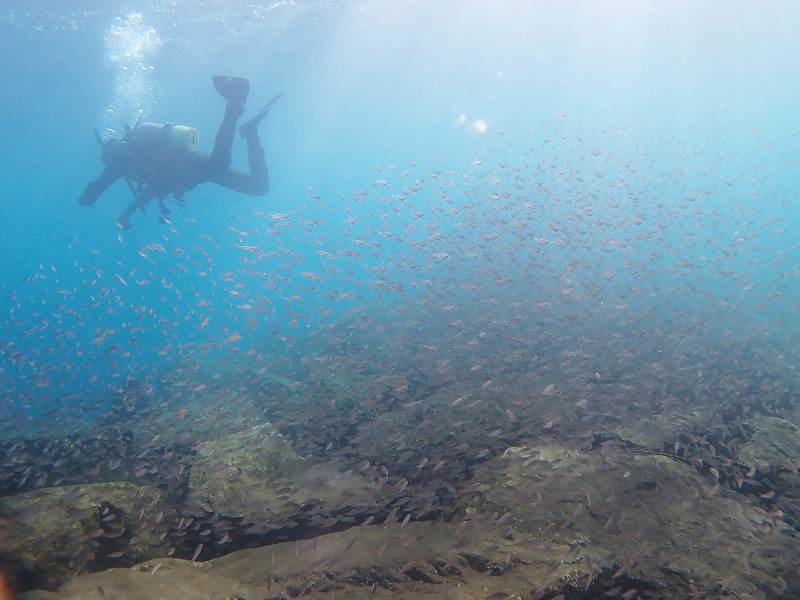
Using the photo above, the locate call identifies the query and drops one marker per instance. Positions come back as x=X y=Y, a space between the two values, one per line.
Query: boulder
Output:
x=255 y=475
x=54 y=533
x=657 y=515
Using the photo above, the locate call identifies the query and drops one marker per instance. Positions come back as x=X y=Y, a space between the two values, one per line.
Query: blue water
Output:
x=652 y=145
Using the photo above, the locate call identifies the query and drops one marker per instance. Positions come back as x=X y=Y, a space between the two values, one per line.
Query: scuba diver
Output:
x=161 y=159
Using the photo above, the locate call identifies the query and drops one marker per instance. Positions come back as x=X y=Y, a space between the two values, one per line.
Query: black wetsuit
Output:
x=161 y=170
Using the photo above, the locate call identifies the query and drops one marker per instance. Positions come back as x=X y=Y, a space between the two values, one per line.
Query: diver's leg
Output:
x=123 y=220
x=259 y=175
x=256 y=182
x=221 y=154
x=250 y=126
x=163 y=212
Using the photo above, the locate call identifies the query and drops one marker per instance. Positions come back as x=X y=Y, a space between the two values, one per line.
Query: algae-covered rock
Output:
x=775 y=442
x=235 y=475
x=657 y=512
x=59 y=531
x=255 y=474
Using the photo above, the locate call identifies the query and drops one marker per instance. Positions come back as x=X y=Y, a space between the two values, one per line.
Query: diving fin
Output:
x=249 y=126
x=232 y=88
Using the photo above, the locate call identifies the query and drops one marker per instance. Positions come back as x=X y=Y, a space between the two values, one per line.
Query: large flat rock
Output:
x=163 y=579
x=418 y=560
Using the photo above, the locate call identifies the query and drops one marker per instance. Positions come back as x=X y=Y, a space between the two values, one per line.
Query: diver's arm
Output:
x=97 y=187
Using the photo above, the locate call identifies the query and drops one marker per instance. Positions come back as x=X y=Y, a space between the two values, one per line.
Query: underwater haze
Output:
x=516 y=318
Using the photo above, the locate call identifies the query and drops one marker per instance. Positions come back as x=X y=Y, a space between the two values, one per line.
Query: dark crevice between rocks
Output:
x=221 y=535
x=111 y=542
x=490 y=567
x=714 y=453
x=372 y=577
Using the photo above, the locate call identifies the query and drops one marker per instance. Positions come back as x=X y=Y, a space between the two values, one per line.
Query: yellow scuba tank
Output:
x=167 y=135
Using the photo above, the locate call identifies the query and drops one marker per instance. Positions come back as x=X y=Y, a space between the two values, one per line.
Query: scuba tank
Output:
x=164 y=135
x=137 y=151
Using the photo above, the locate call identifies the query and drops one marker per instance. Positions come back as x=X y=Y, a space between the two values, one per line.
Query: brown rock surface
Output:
x=413 y=561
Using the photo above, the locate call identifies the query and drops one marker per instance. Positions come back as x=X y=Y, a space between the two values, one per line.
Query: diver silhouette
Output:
x=162 y=159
